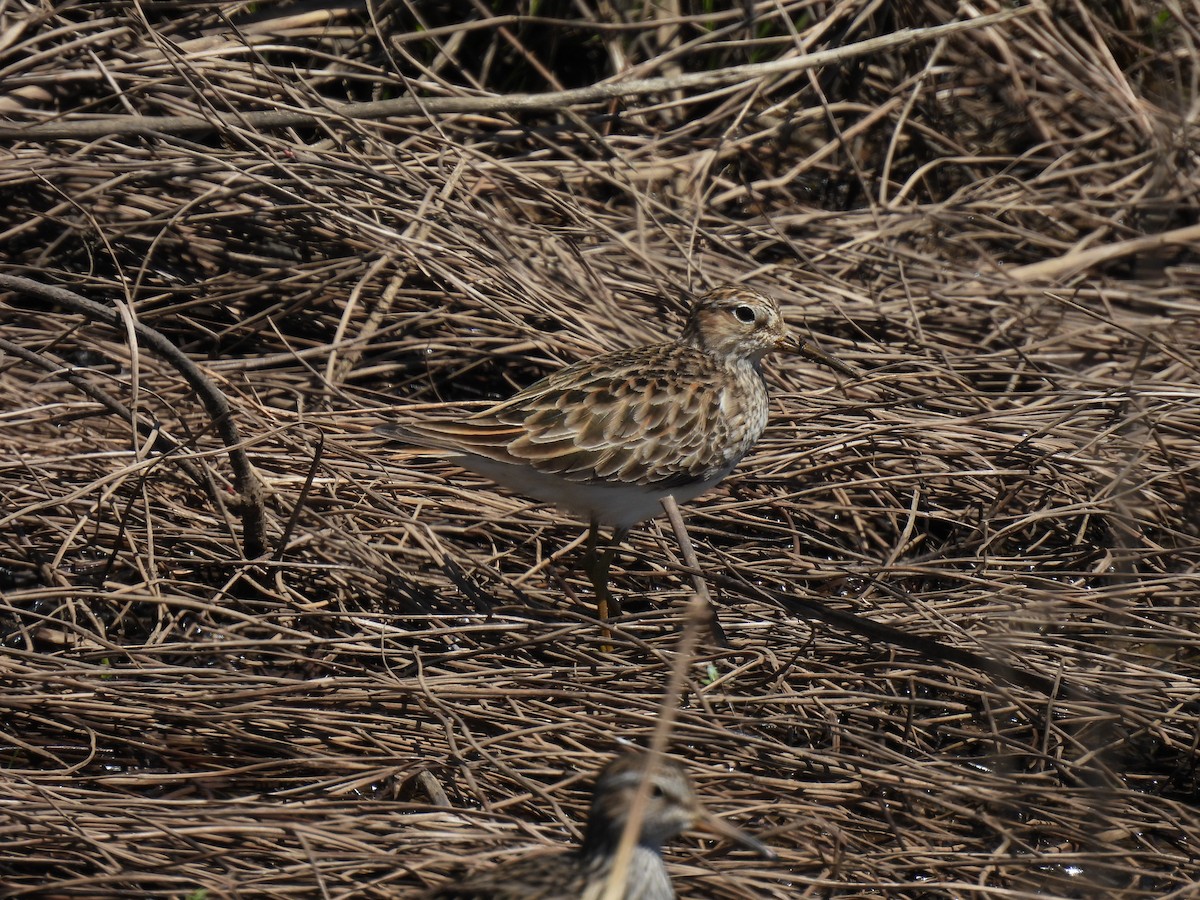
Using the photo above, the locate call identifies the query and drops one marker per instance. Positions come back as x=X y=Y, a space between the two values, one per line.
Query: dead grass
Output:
x=409 y=682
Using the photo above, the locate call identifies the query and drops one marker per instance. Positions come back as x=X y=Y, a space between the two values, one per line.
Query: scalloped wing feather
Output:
x=629 y=415
x=620 y=415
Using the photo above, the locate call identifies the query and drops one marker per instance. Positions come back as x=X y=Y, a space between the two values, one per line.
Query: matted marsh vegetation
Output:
x=997 y=225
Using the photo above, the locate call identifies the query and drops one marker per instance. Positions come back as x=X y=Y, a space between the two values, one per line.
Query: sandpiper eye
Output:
x=744 y=314
x=657 y=792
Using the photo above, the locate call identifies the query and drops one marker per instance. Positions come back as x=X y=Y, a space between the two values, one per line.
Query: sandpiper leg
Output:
x=596 y=566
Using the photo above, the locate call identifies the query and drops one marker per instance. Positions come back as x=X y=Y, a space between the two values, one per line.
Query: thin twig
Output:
x=265 y=120
x=245 y=479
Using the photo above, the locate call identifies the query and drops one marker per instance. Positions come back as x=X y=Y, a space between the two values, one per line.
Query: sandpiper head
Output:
x=672 y=806
x=737 y=322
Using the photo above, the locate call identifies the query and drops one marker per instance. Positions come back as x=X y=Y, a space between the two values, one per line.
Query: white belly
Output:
x=619 y=505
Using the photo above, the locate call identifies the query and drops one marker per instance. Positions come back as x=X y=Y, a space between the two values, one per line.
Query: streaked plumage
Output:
x=608 y=437
x=671 y=808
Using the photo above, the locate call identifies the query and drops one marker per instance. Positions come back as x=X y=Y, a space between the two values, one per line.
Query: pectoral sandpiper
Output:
x=671 y=808
x=608 y=438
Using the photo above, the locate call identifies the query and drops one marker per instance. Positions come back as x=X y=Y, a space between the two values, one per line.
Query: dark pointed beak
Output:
x=710 y=824
x=809 y=351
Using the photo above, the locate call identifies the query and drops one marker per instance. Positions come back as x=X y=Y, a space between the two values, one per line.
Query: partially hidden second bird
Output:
x=671 y=808
x=608 y=438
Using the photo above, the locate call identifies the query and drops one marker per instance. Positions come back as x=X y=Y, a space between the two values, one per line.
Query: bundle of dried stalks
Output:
x=997 y=223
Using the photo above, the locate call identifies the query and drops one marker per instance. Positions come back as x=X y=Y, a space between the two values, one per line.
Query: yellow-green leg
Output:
x=596 y=564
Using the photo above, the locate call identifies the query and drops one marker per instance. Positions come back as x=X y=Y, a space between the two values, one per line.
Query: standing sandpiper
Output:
x=608 y=438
